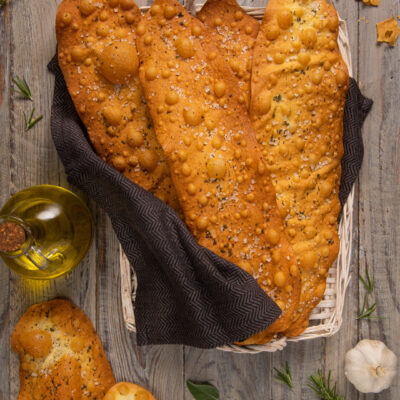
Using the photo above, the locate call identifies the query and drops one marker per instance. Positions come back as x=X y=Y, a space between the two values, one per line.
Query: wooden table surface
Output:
x=27 y=42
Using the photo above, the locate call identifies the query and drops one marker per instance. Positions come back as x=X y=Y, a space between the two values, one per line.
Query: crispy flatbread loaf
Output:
x=61 y=356
x=128 y=391
x=234 y=32
x=221 y=180
x=97 y=55
x=299 y=85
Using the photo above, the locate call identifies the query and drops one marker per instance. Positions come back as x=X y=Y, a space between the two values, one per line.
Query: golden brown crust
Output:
x=226 y=195
x=98 y=58
x=234 y=33
x=371 y=2
x=299 y=85
x=128 y=391
x=61 y=356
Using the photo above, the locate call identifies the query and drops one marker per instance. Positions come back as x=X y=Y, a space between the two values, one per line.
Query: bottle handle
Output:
x=37 y=258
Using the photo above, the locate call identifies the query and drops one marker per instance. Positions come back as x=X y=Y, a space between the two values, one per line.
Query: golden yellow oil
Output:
x=61 y=227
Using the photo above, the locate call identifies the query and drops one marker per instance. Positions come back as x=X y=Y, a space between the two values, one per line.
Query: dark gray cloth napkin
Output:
x=186 y=293
x=356 y=110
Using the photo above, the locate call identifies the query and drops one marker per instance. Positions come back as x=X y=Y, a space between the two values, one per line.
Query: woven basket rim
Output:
x=329 y=311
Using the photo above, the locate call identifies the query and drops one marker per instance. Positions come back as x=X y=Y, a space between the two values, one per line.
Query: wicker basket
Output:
x=326 y=318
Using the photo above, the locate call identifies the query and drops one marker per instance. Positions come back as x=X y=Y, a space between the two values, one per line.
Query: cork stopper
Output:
x=12 y=237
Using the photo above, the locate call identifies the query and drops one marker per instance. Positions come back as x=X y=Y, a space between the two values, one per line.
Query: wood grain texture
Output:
x=5 y=170
x=379 y=189
x=27 y=44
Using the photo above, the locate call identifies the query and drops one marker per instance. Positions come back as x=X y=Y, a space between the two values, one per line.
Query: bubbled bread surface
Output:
x=205 y=131
x=98 y=57
x=299 y=85
x=128 y=391
x=61 y=356
x=234 y=33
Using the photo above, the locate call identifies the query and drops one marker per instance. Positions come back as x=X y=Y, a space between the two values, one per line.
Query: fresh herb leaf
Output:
x=368 y=283
x=22 y=87
x=323 y=387
x=367 y=311
x=283 y=375
x=31 y=121
x=202 y=391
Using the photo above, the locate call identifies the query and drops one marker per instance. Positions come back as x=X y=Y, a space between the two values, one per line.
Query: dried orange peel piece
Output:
x=388 y=31
x=299 y=85
x=226 y=194
x=98 y=57
x=234 y=32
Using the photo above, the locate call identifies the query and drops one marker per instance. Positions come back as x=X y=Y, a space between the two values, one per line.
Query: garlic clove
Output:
x=370 y=366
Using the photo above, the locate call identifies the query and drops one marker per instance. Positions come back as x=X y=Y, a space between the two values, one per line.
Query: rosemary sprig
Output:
x=31 y=121
x=367 y=282
x=23 y=87
x=283 y=375
x=367 y=311
x=323 y=387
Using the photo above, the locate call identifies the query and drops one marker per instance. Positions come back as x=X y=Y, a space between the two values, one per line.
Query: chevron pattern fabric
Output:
x=356 y=110
x=186 y=294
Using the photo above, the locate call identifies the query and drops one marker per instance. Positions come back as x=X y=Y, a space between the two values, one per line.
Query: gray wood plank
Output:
x=337 y=346
x=379 y=181
x=5 y=162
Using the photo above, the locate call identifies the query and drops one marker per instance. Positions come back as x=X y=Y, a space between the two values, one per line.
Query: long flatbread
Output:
x=224 y=189
x=298 y=91
x=98 y=57
x=234 y=33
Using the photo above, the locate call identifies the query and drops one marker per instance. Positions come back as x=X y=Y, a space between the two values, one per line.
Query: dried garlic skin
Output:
x=370 y=366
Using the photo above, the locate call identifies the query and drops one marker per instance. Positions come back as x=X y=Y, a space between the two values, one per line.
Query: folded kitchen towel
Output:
x=356 y=110
x=186 y=294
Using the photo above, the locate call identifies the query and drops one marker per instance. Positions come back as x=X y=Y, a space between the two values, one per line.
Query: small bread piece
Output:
x=299 y=86
x=128 y=391
x=97 y=55
x=60 y=354
x=226 y=195
x=388 y=31
x=371 y=2
x=234 y=33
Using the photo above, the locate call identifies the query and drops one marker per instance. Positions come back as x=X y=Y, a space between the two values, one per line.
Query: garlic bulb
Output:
x=370 y=366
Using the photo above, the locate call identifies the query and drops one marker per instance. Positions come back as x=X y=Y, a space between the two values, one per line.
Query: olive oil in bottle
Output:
x=45 y=231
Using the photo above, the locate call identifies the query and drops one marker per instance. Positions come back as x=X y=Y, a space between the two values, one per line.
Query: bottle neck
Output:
x=16 y=240
x=15 y=236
